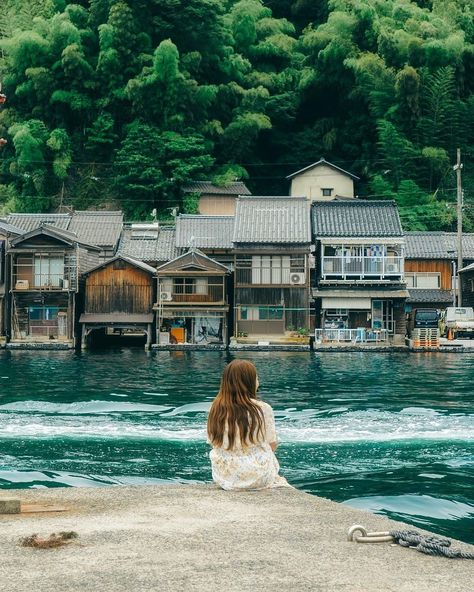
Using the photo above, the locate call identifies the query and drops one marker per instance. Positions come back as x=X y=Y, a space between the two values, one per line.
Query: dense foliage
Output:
x=120 y=102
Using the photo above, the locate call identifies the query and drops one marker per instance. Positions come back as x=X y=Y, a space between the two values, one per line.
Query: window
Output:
x=43 y=313
x=422 y=280
x=472 y=285
x=49 y=270
x=190 y=286
x=275 y=269
x=327 y=191
x=261 y=313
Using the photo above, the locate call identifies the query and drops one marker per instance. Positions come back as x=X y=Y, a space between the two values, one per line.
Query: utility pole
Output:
x=458 y=168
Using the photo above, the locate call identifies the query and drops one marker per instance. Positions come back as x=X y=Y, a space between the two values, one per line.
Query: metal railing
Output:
x=362 y=266
x=360 y=335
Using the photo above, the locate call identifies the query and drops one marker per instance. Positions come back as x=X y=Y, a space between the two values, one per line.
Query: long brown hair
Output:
x=234 y=406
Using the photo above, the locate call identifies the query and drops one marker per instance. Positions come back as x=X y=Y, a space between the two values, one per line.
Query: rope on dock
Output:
x=430 y=545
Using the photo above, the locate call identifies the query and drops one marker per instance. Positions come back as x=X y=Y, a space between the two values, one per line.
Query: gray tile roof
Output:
x=204 y=232
x=427 y=296
x=270 y=220
x=467 y=268
x=27 y=222
x=100 y=228
x=358 y=218
x=148 y=249
x=322 y=161
x=437 y=245
x=131 y=260
x=237 y=188
x=5 y=227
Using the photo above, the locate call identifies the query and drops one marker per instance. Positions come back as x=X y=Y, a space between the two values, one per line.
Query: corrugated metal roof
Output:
x=273 y=220
x=150 y=250
x=27 y=222
x=356 y=218
x=204 y=232
x=324 y=162
x=441 y=296
x=437 y=245
x=100 y=228
x=236 y=188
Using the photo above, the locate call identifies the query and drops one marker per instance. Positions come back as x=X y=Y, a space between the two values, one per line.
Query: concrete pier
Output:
x=186 y=538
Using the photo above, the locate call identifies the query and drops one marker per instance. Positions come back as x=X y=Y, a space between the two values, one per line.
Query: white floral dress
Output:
x=254 y=466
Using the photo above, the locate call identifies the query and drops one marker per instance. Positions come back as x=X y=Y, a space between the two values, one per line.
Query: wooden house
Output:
x=215 y=200
x=430 y=267
x=99 y=228
x=7 y=233
x=45 y=265
x=119 y=296
x=192 y=301
x=359 y=288
x=466 y=275
x=271 y=239
x=322 y=181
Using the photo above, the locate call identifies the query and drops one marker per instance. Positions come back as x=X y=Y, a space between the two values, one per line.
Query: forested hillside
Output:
x=117 y=103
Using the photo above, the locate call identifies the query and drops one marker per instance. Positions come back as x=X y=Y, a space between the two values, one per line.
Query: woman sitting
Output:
x=241 y=430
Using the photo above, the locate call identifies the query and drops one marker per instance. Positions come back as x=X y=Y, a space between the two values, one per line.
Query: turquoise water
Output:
x=391 y=433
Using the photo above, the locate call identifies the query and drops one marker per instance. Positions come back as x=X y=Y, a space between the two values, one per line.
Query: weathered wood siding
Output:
x=467 y=288
x=119 y=288
x=431 y=266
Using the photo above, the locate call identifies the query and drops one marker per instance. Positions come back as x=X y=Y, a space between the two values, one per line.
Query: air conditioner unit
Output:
x=392 y=267
x=166 y=296
x=297 y=278
x=22 y=285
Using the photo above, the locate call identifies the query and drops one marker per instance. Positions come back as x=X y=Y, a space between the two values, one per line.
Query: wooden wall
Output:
x=432 y=266
x=111 y=289
x=467 y=288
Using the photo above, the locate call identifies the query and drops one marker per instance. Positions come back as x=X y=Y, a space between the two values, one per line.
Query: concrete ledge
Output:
x=40 y=346
x=332 y=347
x=269 y=347
x=188 y=347
x=198 y=538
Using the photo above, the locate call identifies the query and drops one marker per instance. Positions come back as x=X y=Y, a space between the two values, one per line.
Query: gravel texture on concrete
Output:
x=190 y=538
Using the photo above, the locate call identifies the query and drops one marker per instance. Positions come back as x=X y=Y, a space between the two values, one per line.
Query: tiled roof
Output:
x=204 y=232
x=131 y=260
x=272 y=220
x=467 y=268
x=9 y=228
x=148 y=249
x=324 y=162
x=237 y=188
x=441 y=296
x=27 y=222
x=100 y=228
x=358 y=218
x=437 y=245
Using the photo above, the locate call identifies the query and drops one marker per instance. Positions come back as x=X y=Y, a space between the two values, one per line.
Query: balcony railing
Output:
x=211 y=293
x=360 y=335
x=362 y=267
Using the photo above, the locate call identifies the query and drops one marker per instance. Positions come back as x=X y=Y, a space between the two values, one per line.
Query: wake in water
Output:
x=116 y=419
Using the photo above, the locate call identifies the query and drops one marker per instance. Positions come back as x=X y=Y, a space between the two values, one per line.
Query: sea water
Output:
x=389 y=433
